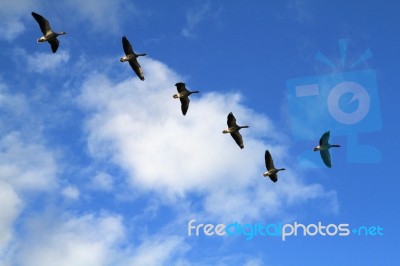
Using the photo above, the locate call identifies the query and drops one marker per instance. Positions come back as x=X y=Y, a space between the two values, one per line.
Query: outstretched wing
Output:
x=273 y=177
x=184 y=104
x=269 y=162
x=238 y=138
x=137 y=68
x=325 y=138
x=43 y=23
x=326 y=157
x=127 y=46
x=231 y=120
x=54 y=44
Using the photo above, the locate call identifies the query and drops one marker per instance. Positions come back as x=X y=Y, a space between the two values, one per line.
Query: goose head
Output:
x=61 y=33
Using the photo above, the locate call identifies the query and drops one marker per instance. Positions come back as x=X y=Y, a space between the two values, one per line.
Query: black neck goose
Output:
x=131 y=57
x=233 y=129
x=48 y=34
x=272 y=171
x=324 y=147
x=183 y=95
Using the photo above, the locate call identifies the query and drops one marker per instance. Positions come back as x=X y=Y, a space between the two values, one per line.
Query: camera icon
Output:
x=346 y=103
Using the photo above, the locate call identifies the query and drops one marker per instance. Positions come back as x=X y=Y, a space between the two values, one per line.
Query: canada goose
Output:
x=233 y=129
x=272 y=171
x=324 y=147
x=48 y=35
x=131 y=56
x=183 y=95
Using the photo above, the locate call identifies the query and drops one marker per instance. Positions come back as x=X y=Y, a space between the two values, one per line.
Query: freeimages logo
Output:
x=347 y=103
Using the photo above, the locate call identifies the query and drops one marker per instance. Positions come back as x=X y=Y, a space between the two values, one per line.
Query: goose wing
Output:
x=269 y=162
x=326 y=157
x=54 y=44
x=127 y=46
x=273 y=177
x=231 y=120
x=43 y=23
x=238 y=138
x=181 y=87
x=184 y=104
x=325 y=138
x=137 y=68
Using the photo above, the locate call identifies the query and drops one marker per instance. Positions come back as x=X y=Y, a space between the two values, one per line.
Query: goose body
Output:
x=48 y=34
x=233 y=129
x=269 y=164
x=131 y=57
x=183 y=95
x=324 y=147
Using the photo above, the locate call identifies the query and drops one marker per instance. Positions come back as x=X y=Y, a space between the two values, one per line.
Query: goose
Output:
x=48 y=34
x=183 y=95
x=131 y=57
x=324 y=147
x=272 y=171
x=233 y=129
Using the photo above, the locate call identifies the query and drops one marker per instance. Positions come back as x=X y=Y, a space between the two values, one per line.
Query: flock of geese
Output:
x=183 y=95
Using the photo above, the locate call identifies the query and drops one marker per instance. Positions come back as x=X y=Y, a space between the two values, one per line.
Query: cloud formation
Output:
x=46 y=62
x=83 y=240
x=27 y=166
x=103 y=15
x=139 y=127
x=11 y=13
x=195 y=17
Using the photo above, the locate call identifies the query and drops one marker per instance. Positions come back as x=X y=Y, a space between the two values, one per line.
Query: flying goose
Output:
x=272 y=171
x=324 y=147
x=131 y=56
x=48 y=34
x=233 y=129
x=183 y=95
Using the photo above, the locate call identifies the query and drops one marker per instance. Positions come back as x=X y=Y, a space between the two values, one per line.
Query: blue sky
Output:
x=100 y=168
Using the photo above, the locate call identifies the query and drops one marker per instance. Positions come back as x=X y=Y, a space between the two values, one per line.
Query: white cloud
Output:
x=254 y=262
x=14 y=104
x=140 y=127
x=21 y=133
x=102 y=181
x=93 y=240
x=11 y=13
x=70 y=192
x=104 y=15
x=47 y=62
x=25 y=165
x=193 y=18
x=158 y=251
x=88 y=240
x=11 y=28
x=11 y=206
